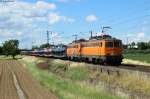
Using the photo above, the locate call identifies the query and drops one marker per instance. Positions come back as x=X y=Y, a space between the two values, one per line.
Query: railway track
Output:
x=17 y=83
x=141 y=68
x=122 y=68
x=130 y=67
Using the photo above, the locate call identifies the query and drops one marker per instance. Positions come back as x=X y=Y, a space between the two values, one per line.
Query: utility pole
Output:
x=76 y=37
x=33 y=44
x=91 y=33
x=127 y=42
x=48 y=38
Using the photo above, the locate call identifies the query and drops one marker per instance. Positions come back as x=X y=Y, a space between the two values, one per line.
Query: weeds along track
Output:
x=132 y=69
x=17 y=83
x=137 y=67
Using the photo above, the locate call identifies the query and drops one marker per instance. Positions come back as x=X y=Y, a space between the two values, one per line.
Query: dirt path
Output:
x=7 y=88
x=17 y=83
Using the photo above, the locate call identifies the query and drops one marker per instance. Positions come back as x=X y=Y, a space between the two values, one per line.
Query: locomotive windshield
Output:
x=112 y=44
x=117 y=44
x=109 y=44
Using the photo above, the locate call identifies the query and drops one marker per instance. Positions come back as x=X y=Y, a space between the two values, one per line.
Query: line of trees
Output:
x=138 y=45
x=10 y=48
x=46 y=45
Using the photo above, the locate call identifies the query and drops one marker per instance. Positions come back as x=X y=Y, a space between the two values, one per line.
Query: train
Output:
x=56 y=51
x=103 y=49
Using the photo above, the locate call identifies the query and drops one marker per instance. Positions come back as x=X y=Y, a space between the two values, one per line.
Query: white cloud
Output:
x=45 y=5
x=70 y=20
x=27 y=21
x=133 y=37
x=55 y=17
x=5 y=33
x=65 y=1
x=54 y=34
x=19 y=33
x=140 y=34
x=91 y=18
x=41 y=5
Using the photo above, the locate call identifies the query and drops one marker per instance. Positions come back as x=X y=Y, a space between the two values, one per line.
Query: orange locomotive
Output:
x=100 y=49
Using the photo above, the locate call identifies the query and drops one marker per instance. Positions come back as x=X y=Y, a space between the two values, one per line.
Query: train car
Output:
x=47 y=52
x=59 y=51
x=35 y=53
x=25 y=53
x=99 y=49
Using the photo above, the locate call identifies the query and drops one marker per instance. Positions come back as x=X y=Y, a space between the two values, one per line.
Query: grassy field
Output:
x=67 y=84
x=139 y=57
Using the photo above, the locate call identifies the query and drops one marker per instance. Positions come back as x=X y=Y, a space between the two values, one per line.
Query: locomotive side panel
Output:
x=99 y=51
x=93 y=49
x=72 y=50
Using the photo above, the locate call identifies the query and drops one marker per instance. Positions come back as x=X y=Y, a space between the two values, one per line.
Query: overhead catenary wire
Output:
x=131 y=19
x=131 y=12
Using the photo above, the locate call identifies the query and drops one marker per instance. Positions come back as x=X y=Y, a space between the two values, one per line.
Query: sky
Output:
x=28 y=20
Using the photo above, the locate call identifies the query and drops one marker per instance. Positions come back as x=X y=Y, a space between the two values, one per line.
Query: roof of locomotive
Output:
x=101 y=37
x=95 y=38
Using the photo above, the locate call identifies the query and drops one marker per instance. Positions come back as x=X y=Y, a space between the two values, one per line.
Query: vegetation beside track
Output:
x=138 y=56
x=141 y=55
x=67 y=83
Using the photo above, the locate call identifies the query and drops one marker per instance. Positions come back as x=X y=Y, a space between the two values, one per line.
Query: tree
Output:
x=1 y=50
x=133 y=44
x=11 y=48
x=142 y=45
x=46 y=45
x=35 y=47
x=149 y=45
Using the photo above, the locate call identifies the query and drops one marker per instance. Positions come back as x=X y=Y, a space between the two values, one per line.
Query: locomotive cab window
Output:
x=117 y=44
x=109 y=44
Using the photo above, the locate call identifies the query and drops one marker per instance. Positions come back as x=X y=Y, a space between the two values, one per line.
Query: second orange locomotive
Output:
x=99 y=49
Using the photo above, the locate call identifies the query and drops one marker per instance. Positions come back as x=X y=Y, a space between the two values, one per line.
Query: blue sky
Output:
x=28 y=20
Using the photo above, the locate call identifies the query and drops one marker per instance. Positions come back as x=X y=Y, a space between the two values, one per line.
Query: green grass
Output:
x=67 y=88
x=57 y=65
x=77 y=73
x=139 y=56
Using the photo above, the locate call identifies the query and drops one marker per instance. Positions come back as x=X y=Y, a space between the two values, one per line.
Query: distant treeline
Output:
x=139 y=47
x=46 y=45
x=1 y=50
